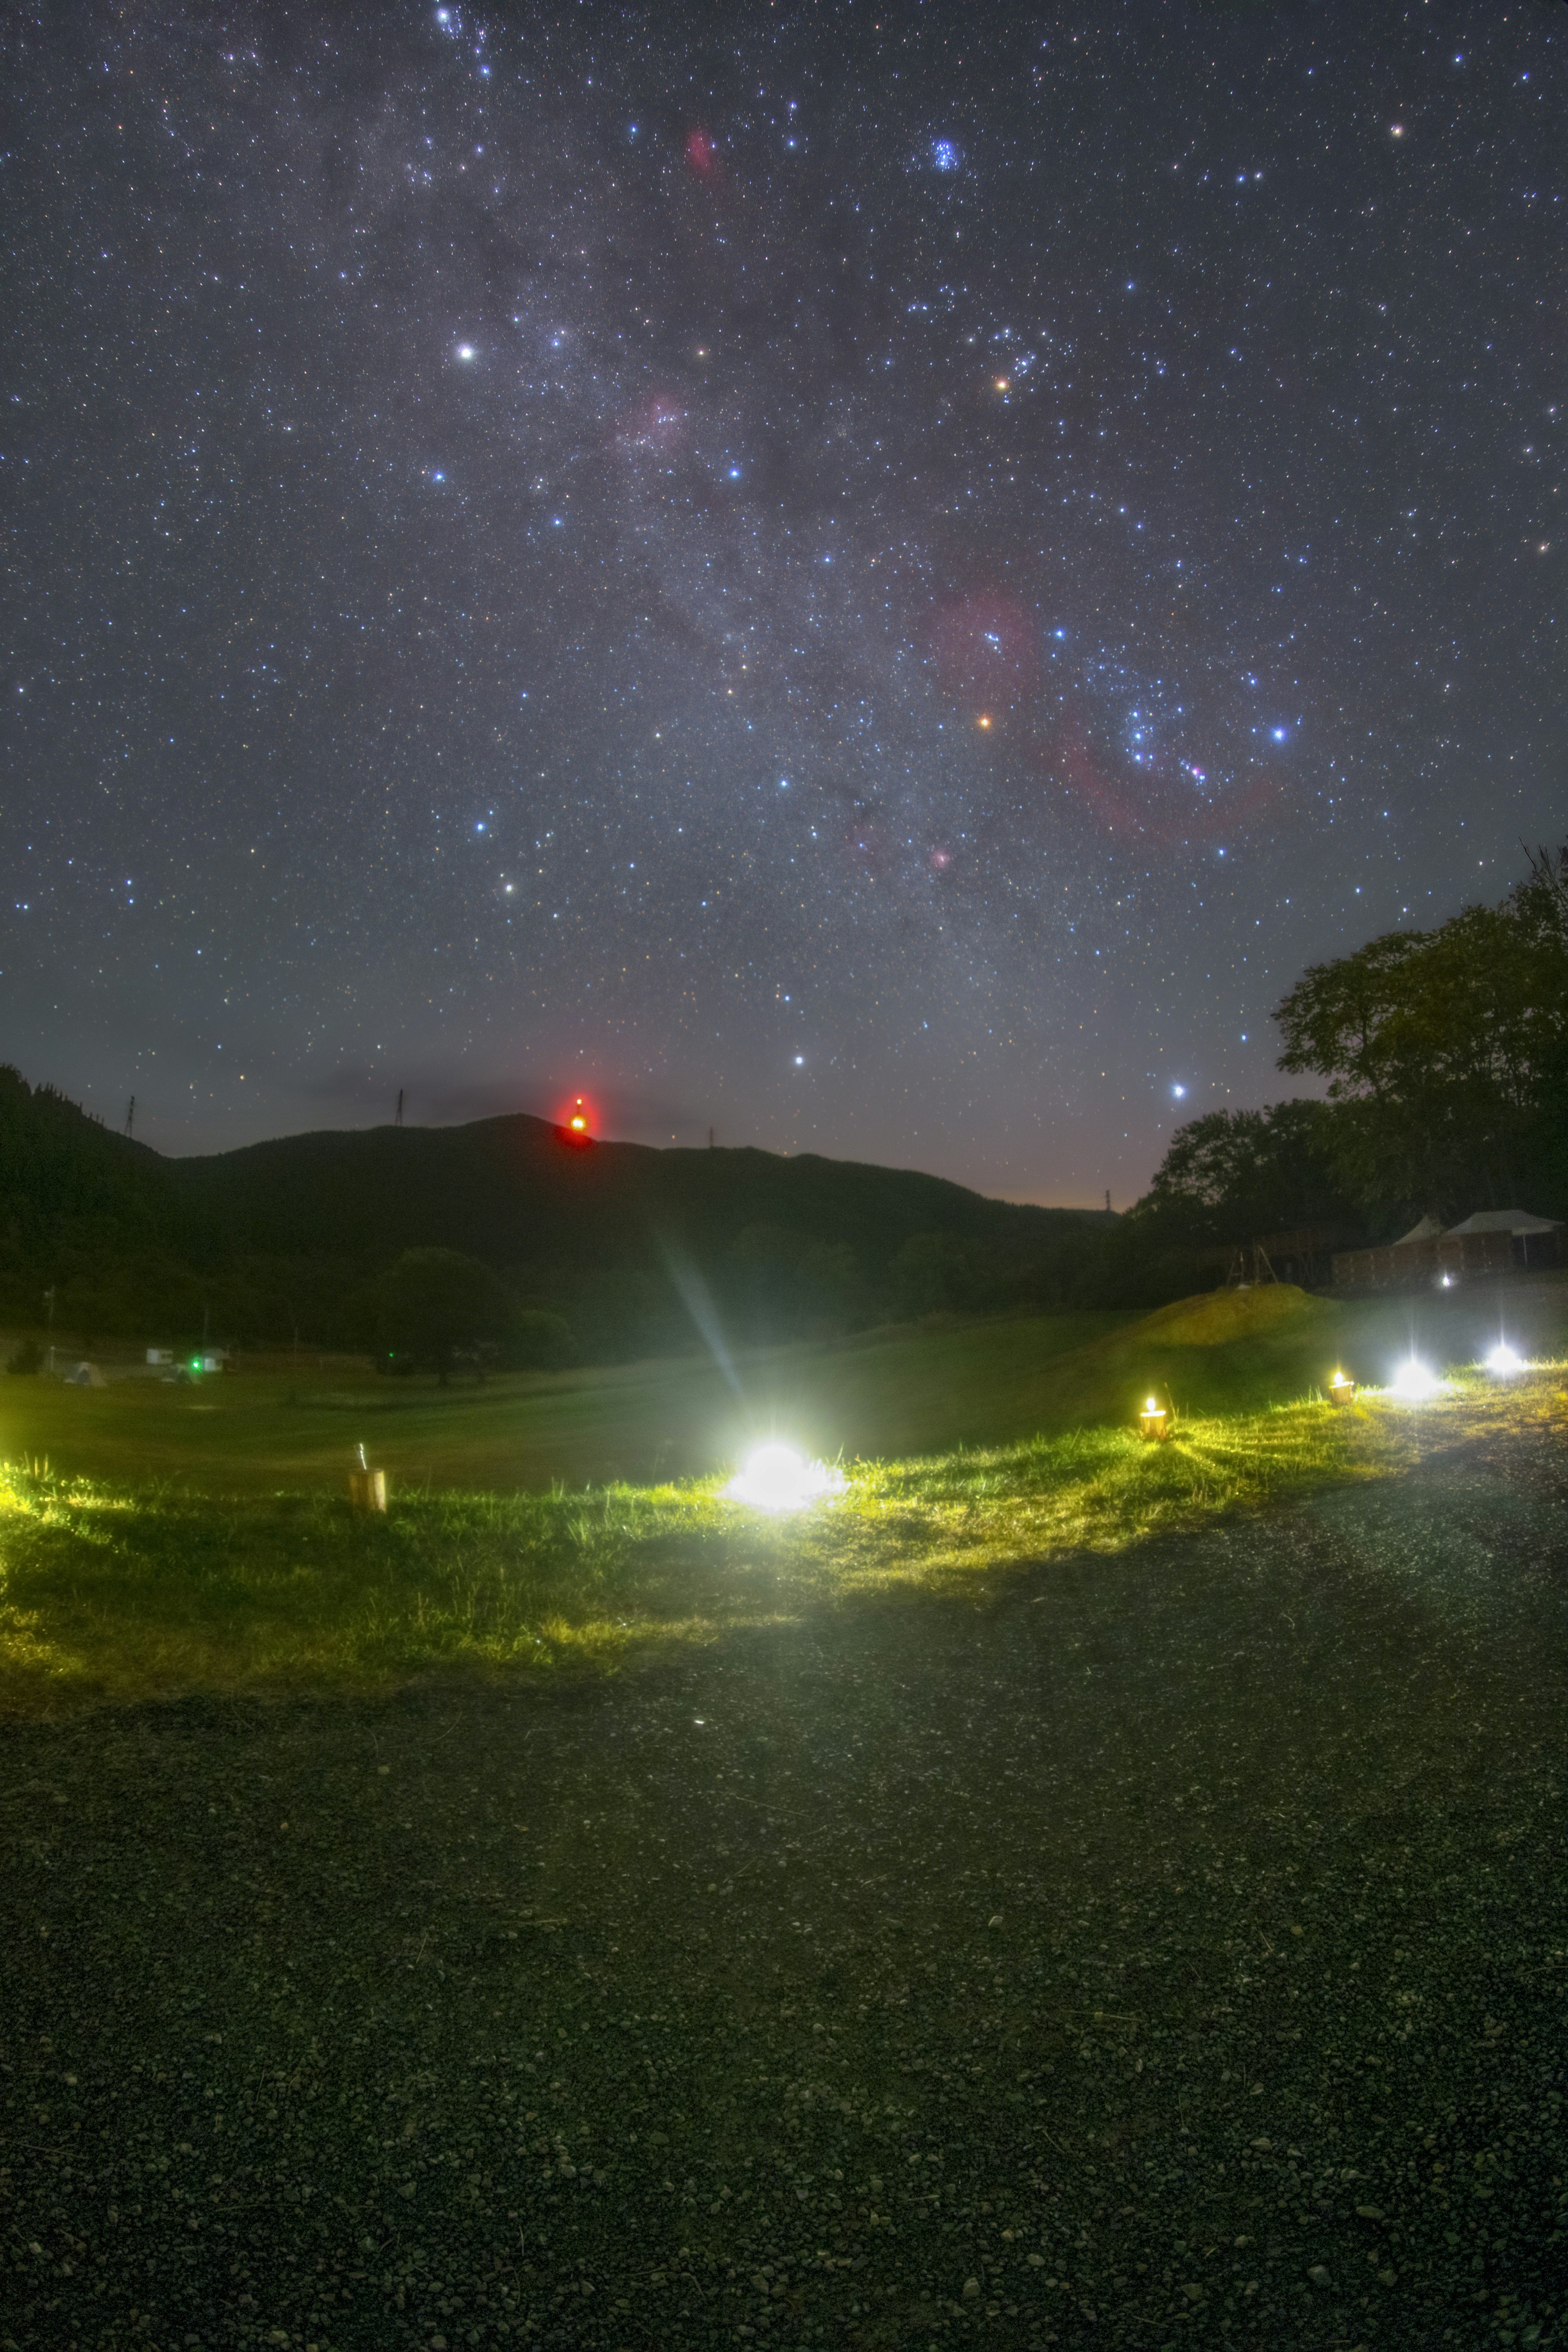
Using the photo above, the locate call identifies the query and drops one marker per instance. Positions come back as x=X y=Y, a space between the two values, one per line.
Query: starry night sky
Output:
x=878 y=581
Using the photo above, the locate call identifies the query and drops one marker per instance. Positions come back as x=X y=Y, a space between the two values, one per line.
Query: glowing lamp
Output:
x=1342 y=1388
x=1504 y=1362
x=578 y=1126
x=1154 y=1423
x=1413 y=1383
x=776 y=1478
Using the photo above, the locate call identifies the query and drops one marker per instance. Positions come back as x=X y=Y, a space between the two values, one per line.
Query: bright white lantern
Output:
x=776 y=1478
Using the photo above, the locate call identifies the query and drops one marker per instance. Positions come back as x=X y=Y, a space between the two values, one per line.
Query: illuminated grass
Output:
x=134 y=1592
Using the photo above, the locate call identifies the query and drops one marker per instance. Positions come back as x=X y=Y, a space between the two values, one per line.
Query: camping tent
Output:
x=1505 y=1221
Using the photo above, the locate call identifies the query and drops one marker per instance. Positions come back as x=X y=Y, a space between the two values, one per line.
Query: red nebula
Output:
x=701 y=155
x=940 y=860
x=984 y=646
x=655 y=427
x=1163 y=814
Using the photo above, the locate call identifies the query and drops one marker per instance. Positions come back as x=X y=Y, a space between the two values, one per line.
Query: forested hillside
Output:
x=629 y=1244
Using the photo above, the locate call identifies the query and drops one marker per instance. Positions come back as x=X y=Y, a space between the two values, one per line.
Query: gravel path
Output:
x=1166 y=1950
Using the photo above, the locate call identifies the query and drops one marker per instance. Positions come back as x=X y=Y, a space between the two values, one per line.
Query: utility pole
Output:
x=1108 y=1199
x=397 y=1121
x=49 y=1301
x=131 y=1115
x=710 y=1138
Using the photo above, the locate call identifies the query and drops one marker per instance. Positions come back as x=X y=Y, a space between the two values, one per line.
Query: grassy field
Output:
x=132 y=1589
x=888 y=1395
x=258 y=1430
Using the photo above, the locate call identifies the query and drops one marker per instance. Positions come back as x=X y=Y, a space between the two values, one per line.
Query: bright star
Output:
x=465 y=351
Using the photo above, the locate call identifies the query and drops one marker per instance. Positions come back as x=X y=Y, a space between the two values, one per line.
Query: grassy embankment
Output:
x=207 y=1576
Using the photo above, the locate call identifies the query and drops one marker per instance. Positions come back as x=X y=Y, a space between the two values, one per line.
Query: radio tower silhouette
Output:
x=397 y=1121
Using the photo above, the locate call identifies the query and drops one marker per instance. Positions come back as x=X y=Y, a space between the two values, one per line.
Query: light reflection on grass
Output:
x=128 y=1593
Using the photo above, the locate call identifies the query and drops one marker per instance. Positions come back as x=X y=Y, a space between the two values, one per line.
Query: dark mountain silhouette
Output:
x=620 y=1237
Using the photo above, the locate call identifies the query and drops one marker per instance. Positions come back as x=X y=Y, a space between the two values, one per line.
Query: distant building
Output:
x=1491 y=1242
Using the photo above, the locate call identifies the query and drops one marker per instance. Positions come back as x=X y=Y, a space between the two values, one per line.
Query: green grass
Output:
x=124 y=1593
x=889 y=1395
x=256 y=1431
x=241 y=1567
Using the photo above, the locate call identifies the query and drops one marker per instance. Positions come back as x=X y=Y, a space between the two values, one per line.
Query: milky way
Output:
x=878 y=584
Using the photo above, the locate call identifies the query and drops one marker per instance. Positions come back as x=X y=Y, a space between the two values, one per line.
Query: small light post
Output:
x=367 y=1487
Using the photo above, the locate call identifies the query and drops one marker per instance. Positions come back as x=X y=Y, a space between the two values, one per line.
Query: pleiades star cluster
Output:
x=874 y=580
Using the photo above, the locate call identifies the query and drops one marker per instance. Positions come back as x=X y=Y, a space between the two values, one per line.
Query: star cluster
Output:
x=878 y=584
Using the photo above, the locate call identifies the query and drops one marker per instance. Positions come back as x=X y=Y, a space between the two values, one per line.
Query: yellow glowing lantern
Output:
x=1154 y=1422
x=1342 y=1388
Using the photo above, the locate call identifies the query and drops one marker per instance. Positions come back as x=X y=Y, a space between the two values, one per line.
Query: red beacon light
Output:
x=577 y=1126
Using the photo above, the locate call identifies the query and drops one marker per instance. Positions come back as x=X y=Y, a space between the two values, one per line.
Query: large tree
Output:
x=1446 y=1052
x=1233 y=1175
x=435 y=1306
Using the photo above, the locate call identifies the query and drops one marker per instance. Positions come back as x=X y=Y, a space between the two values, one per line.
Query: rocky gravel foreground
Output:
x=1162 y=1950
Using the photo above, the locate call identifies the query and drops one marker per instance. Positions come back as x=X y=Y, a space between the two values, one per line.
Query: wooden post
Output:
x=367 y=1490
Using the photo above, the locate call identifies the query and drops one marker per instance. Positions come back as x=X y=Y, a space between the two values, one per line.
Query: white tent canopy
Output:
x=1498 y=1220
